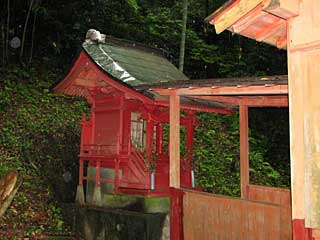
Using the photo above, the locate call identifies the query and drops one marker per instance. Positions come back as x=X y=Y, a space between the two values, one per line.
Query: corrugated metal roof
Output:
x=131 y=64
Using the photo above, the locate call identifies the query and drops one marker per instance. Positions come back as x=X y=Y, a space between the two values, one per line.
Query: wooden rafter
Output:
x=232 y=13
x=247 y=20
x=262 y=20
x=270 y=30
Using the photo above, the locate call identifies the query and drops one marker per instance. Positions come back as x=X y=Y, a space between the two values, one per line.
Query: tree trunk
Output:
x=3 y=37
x=183 y=35
x=33 y=32
x=7 y=35
x=9 y=185
x=25 y=31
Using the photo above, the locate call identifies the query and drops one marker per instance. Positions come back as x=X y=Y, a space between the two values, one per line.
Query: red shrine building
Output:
x=134 y=92
x=138 y=144
x=124 y=141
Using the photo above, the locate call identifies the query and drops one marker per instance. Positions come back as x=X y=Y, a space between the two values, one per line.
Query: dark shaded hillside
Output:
x=39 y=137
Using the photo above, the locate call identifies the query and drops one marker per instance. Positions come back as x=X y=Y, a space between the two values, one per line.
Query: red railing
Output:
x=138 y=160
x=97 y=178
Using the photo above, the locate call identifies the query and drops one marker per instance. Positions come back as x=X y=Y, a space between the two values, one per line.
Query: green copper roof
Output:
x=131 y=63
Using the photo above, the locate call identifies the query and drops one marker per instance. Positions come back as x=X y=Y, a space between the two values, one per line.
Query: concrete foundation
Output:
x=105 y=224
x=105 y=215
x=80 y=195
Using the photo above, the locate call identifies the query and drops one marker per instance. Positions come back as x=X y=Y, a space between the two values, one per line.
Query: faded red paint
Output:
x=299 y=231
x=279 y=196
x=176 y=214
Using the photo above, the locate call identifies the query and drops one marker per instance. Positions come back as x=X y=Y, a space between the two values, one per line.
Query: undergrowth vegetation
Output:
x=217 y=162
x=40 y=138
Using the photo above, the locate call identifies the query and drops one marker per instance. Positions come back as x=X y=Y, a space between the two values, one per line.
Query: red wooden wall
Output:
x=208 y=216
x=278 y=196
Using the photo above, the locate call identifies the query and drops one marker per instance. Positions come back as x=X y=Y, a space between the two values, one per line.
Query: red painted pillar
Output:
x=244 y=150
x=159 y=138
x=149 y=142
x=299 y=231
x=116 y=177
x=176 y=214
x=81 y=163
x=190 y=136
x=98 y=173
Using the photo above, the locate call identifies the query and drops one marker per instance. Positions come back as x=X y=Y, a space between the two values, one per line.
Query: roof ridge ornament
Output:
x=94 y=36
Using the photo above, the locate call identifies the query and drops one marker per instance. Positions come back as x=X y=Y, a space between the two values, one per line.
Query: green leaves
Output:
x=217 y=156
x=133 y=4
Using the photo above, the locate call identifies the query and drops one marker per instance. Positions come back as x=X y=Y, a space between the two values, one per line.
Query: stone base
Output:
x=120 y=224
x=146 y=204
x=80 y=195
x=96 y=198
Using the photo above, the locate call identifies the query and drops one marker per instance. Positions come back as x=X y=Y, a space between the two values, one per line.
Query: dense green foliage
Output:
x=217 y=152
x=40 y=137
x=39 y=131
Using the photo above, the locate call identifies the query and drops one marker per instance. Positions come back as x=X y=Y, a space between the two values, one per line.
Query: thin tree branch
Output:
x=7 y=35
x=3 y=37
x=33 y=32
x=25 y=30
x=183 y=35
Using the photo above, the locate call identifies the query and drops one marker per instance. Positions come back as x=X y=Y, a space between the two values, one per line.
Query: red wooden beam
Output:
x=197 y=108
x=251 y=101
x=227 y=90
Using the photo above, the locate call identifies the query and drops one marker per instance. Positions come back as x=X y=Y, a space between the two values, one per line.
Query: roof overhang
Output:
x=254 y=91
x=262 y=20
x=85 y=75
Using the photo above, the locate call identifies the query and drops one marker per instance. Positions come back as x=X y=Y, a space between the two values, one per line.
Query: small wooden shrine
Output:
x=123 y=147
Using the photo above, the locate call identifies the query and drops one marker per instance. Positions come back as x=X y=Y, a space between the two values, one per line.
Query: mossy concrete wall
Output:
x=121 y=216
x=115 y=224
x=146 y=204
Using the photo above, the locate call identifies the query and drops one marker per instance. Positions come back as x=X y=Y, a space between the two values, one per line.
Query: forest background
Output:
x=39 y=131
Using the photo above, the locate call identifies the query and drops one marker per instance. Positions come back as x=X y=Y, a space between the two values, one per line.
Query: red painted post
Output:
x=116 y=168
x=300 y=232
x=159 y=138
x=116 y=177
x=176 y=214
x=244 y=150
x=121 y=126
x=149 y=143
x=98 y=173
x=81 y=163
x=83 y=126
x=190 y=135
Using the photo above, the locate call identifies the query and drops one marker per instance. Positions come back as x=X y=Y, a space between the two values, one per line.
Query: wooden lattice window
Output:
x=138 y=131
